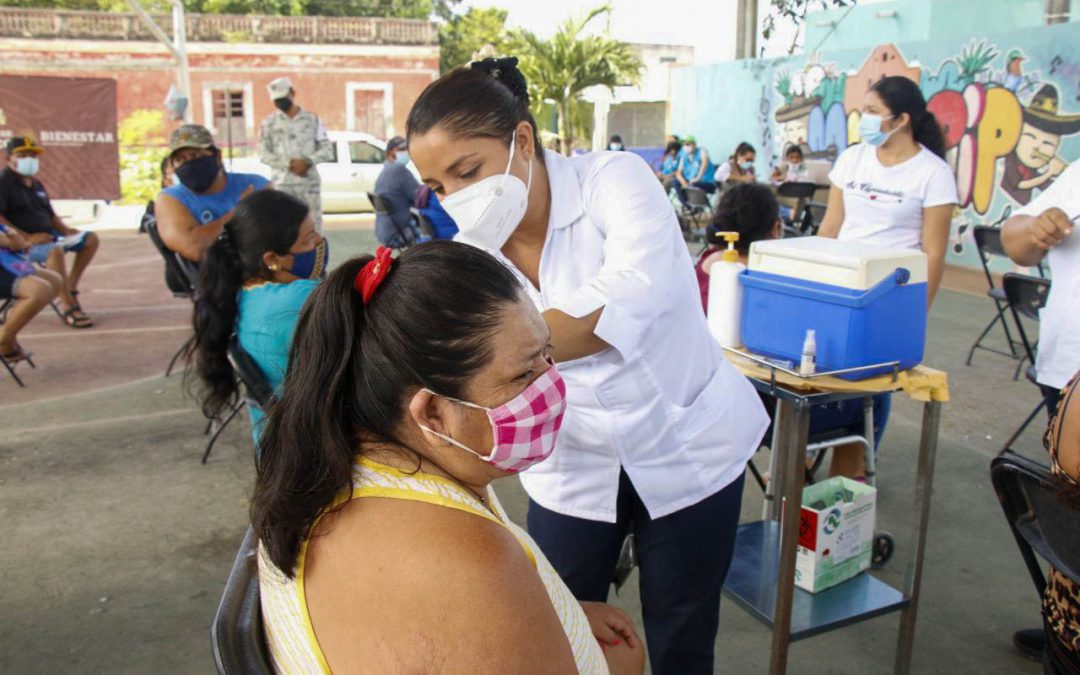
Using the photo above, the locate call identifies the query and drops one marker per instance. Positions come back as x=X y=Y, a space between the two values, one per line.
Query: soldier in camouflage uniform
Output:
x=292 y=141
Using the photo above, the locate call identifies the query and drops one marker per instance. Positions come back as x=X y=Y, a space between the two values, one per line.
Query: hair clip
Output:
x=374 y=273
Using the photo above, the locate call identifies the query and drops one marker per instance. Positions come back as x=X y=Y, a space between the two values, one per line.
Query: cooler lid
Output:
x=845 y=263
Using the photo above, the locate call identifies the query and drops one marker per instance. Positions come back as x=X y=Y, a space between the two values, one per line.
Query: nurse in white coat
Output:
x=659 y=426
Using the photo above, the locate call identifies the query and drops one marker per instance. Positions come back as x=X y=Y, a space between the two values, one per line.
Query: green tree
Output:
x=561 y=68
x=464 y=34
x=142 y=145
x=404 y=9
x=795 y=11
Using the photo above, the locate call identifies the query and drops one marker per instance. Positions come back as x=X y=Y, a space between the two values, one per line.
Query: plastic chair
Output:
x=1041 y=523
x=1026 y=295
x=10 y=367
x=237 y=636
x=378 y=202
x=988 y=243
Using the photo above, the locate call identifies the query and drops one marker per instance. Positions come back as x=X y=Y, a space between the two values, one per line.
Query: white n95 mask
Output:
x=488 y=211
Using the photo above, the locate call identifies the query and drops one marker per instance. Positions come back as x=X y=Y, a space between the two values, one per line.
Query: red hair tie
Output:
x=374 y=273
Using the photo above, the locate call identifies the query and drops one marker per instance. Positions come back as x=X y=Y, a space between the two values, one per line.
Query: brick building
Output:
x=359 y=74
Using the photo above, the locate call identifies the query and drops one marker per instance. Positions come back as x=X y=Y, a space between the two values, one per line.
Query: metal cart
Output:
x=762 y=574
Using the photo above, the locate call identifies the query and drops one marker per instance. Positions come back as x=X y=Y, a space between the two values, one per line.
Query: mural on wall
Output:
x=1003 y=120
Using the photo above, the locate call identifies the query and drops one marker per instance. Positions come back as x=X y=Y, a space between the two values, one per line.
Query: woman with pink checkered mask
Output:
x=412 y=384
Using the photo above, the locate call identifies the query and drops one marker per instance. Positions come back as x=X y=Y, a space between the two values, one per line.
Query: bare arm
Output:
x=704 y=165
x=181 y=232
x=1027 y=238
x=444 y=591
x=937 y=223
x=574 y=338
x=834 y=214
x=60 y=226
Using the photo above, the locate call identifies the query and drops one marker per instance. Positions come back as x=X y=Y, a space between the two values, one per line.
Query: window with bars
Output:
x=227 y=107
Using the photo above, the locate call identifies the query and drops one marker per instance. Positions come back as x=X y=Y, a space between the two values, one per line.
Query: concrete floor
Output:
x=117 y=542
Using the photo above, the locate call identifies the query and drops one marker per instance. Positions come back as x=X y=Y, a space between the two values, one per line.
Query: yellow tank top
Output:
x=289 y=633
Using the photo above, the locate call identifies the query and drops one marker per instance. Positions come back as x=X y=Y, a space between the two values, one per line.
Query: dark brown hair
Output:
x=901 y=95
x=489 y=98
x=353 y=367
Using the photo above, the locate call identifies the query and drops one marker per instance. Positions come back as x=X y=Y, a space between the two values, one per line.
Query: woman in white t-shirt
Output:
x=894 y=188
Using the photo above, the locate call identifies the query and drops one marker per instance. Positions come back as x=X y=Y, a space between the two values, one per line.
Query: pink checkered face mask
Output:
x=525 y=427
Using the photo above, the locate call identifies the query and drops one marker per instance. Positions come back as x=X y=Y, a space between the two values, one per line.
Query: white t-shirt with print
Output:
x=884 y=205
x=1058 y=358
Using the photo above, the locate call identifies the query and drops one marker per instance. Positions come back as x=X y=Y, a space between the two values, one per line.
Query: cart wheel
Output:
x=882 y=549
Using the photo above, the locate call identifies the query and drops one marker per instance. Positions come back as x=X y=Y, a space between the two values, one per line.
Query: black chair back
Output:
x=813 y=214
x=796 y=190
x=426 y=228
x=237 y=636
x=379 y=204
x=1041 y=522
x=250 y=375
x=988 y=242
x=178 y=279
x=696 y=198
x=1026 y=295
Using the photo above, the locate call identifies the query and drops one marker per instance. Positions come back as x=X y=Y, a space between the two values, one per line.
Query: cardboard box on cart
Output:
x=836 y=533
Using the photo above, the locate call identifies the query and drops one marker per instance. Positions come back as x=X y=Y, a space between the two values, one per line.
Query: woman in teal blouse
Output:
x=252 y=283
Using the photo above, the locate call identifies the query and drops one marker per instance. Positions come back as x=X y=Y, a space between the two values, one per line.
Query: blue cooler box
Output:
x=866 y=304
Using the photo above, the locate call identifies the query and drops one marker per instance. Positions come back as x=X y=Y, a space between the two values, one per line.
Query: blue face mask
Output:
x=27 y=166
x=402 y=157
x=870 y=129
x=311 y=264
x=746 y=166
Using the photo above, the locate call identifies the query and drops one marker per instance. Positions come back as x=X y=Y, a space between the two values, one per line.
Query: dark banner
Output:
x=74 y=119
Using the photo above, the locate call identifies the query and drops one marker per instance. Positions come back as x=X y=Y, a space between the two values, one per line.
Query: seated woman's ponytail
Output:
x=220 y=276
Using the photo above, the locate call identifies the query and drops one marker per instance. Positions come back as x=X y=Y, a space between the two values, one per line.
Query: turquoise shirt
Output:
x=264 y=327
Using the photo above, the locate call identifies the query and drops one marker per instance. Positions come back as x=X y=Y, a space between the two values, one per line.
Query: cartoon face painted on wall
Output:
x=1035 y=163
x=1036 y=147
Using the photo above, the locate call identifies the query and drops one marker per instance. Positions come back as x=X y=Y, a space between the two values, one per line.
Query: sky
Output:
x=707 y=25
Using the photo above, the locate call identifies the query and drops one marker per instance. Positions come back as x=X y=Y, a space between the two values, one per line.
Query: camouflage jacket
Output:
x=282 y=139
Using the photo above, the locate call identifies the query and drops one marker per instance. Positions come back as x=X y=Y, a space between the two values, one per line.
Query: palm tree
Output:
x=560 y=68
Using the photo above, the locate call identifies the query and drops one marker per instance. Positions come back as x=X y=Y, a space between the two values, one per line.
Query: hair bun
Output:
x=505 y=70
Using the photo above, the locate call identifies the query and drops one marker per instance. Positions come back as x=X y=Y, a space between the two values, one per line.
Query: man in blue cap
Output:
x=25 y=207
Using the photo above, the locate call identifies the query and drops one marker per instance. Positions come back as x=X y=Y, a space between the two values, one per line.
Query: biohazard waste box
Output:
x=836 y=533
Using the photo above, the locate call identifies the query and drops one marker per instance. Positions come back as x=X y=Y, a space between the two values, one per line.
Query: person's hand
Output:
x=18 y=242
x=1050 y=229
x=299 y=166
x=39 y=238
x=613 y=629
x=610 y=625
x=244 y=195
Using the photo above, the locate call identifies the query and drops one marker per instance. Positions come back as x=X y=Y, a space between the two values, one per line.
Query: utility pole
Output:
x=746 y=29
x=183 y=77
x=177 y=46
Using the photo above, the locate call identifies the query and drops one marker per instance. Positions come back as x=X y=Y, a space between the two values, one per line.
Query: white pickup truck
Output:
x=346 y=179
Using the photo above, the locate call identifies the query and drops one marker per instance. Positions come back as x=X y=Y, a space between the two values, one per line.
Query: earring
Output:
x=274 y=267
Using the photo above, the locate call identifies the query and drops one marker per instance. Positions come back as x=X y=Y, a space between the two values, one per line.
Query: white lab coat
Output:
x=661 y=403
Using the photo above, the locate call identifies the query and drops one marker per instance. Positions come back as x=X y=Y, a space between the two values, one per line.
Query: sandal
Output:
x=70 y=319
x=18 y=354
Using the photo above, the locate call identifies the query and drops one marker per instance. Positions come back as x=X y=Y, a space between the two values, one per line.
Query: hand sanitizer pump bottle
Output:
x=726 y=295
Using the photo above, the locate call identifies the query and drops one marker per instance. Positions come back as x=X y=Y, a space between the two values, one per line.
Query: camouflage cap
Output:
x=190 y=136
x=23 y=144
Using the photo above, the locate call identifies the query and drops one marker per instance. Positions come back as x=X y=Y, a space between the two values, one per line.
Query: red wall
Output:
x=320 y=80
